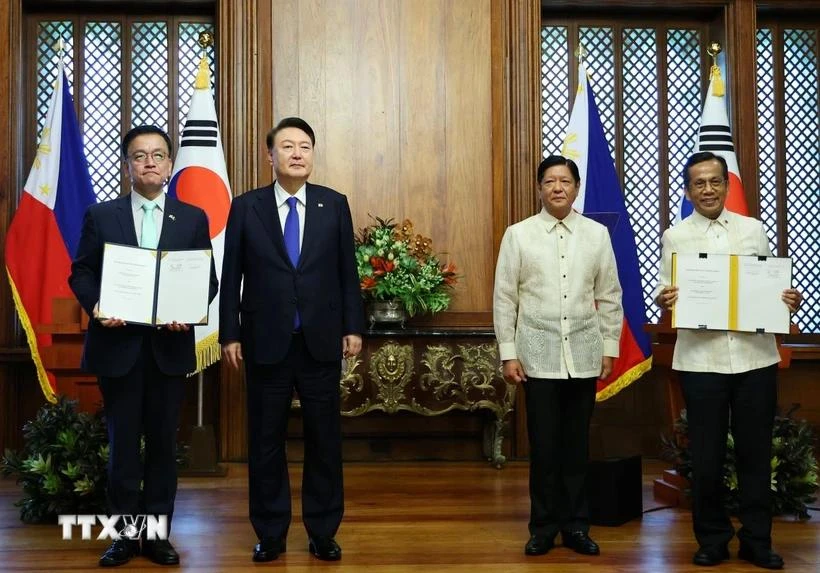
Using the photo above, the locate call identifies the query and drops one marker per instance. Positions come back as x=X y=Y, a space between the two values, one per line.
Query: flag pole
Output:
x=202 y=459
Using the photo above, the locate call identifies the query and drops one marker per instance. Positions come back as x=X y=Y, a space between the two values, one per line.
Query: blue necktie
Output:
x=291 y=235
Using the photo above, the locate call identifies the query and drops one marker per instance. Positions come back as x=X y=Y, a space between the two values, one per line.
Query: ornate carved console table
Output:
x=431 y=372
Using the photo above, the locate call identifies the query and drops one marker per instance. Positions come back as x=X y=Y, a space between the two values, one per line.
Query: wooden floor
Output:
x=400 y=517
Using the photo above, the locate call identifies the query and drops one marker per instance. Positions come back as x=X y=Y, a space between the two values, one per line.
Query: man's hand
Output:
x=107 y=322
x=514 y=372
x=792 y=298
x=351 y=345
x=606 y=367
x=232 y=353
x=667 y=298
x=177 y=327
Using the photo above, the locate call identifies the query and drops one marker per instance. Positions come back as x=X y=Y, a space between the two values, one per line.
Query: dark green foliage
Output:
x=794 y=467
x=62 y=467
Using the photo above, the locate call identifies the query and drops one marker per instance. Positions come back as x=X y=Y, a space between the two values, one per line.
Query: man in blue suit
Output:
x=290 y=247
x=141 y=369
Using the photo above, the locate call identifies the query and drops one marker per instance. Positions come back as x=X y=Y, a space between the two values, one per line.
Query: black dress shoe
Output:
x=538 y=545
x=160 y=552
x=268 y=549
x=325 y=548
x=710 y=556
x=580 y=542
x=120 y=552
x=767 y=559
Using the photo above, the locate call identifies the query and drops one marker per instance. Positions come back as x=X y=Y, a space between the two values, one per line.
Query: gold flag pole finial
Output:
x=581 y=53
x=718 y=88
x=203 y=75
x=59 y=47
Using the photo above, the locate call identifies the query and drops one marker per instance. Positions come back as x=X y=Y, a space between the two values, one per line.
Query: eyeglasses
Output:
x=142 y=157
x=714 y=183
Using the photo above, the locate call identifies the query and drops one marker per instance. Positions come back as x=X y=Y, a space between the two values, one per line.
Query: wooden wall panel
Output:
x=399 y=94
x=469 y=151
x=240 y=94
x=424 y=93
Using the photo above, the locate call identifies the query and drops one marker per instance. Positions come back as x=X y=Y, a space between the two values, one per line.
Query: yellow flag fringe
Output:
x=31 y=338
x=625 y=380
x=208 y=351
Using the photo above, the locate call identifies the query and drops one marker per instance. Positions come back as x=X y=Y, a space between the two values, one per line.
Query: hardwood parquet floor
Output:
x=424 y=517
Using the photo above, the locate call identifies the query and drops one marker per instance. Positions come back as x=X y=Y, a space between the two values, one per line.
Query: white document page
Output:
x=184 y=282
x=127 y=283
x=759 y=287
x=703 y=291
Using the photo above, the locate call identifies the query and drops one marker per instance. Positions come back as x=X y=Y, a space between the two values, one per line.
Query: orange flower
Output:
x=448 y=271
x=380 y=266
x=367 y=283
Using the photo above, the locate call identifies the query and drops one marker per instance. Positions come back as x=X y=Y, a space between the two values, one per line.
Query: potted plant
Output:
x=399 y=272
x=794 y=466
x=62 y=466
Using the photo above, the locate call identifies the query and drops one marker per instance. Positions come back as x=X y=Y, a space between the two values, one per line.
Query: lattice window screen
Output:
x=600 y=63
x=101 y=103
x=684 y=105
x=189 y=55
x=117 y=53
x=48 y=34
x=767 y=135
x=802 y=167
x=149 y=74
x=555 y=84
x=641 y=164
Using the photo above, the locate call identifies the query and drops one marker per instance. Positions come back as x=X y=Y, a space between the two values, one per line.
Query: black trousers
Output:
x=270 y=392
x=747 y=402
x=144 y=401
x=558 y=416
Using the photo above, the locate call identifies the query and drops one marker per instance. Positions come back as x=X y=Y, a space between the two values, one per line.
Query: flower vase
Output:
x=386 y=312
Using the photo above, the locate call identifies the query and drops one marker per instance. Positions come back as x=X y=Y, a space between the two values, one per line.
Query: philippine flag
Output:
x=714 y=135
x=201 y=178
x=43 y=236
x=600 y=193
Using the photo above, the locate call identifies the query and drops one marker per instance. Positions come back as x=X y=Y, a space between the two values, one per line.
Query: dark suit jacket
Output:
x=112 y=352
x=324 y=286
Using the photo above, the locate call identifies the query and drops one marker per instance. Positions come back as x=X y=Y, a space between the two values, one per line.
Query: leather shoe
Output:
x=160 y=552
x=580 y=542
x=709 y=556
x=325 y=548
x=120 y=552
x=268 y=549
x=767 y=559
x=538 y=545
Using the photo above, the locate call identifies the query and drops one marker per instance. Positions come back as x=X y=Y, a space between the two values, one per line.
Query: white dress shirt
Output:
x=722 y=352
x=557 y=298
x=282 y=206
x=137 y=201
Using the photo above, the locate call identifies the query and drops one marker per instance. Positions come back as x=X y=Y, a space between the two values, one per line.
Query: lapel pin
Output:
x=171 y=216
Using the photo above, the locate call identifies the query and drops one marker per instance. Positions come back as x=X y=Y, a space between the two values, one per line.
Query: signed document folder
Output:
x=147 y=286
x=731 y=292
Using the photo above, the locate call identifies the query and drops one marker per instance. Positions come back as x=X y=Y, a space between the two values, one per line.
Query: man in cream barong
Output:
x=558 y=316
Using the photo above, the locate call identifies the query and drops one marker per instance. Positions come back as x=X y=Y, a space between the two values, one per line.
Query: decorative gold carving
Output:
x=391 y=369
x=464 y=376
x=351 y=381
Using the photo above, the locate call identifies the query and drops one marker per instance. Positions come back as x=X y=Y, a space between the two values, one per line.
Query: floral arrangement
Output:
x=394 y=263
x=794 y=480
